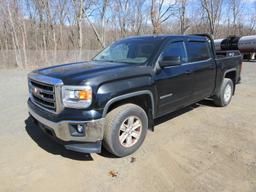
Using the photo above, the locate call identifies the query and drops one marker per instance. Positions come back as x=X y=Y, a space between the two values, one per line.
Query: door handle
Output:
x=188 y=72
x=212 y=67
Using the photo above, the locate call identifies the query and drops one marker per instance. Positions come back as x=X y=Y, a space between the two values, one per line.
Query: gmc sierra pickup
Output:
x=114 y=98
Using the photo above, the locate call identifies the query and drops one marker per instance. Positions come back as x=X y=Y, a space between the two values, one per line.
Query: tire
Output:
x=118 y=128
x=226 y=93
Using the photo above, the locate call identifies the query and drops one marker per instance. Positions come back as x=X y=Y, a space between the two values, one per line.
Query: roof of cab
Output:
x=165 y=36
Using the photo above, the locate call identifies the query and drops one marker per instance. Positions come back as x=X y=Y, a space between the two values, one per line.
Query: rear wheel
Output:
x=226 y=93
x=125 y=131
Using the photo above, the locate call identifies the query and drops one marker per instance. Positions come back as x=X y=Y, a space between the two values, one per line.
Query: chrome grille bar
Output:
x=45 y=92
x=38 y=94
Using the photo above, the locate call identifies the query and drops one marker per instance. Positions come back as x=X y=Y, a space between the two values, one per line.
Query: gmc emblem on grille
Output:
x=37 y=92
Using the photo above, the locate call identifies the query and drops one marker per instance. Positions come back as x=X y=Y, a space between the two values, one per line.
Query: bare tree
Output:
x=79 y=6
x=51 y=25
x=40 y=8
x=121 y=11
x=252 y=25
x=61 y=13
x=213 y=11
x=100 y=40
x=102 y=8
x=182 y=16
x=103 y=11
x=24 y=40
x=16 y=46
x=138 y=16
x=45 y=28
x=235 y=7
x=161 y=11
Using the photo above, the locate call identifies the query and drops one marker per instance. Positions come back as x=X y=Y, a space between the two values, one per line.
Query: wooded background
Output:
x=37 y=33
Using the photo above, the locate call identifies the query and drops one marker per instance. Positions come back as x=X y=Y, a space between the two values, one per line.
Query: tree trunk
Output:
x=79 y=28
x=15 y=40
x=95 y=32
x=24 y=39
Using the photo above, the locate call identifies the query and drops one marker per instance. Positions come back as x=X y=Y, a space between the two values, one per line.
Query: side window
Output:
x=198 y=51
x=175 y=49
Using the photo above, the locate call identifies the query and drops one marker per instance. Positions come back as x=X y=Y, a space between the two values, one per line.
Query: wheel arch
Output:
x=127 y=97
x=144 y=99
x=231 y=74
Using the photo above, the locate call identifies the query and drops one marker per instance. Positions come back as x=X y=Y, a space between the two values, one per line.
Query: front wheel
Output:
x=125 y=131
x=226 y=93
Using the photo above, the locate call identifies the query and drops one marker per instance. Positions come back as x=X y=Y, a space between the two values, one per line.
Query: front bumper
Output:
x=89 y=142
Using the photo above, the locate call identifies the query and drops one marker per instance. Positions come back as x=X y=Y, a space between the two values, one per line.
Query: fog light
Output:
x=80 y=128
x=77 y=130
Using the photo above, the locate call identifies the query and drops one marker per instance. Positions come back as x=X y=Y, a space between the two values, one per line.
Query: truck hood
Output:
x=93 y=72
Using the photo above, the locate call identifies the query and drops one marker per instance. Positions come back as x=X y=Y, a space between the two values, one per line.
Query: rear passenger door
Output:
x=204 y=70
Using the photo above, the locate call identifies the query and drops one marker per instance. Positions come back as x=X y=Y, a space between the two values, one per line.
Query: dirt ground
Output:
x=201 y=148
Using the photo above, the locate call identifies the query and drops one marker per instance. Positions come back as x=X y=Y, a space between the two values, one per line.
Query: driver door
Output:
x=174 y=83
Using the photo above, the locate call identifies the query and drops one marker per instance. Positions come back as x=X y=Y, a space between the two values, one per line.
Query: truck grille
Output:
x=43 y=94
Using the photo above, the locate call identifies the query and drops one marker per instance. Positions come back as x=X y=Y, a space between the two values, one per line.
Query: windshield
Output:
x=133 y=51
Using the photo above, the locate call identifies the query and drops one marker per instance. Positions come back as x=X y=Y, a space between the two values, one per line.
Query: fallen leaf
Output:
x=133 y=159
x=113 y=173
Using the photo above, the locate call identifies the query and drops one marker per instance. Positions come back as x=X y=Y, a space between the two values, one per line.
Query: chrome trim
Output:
x=188 y=63
x=45 y=98
x=94 y=129
x=44 y=91
x=195 y=62
x=57 y=85
x=126 y=96
x=165 y=96
x=44 y=79
x=41 y=104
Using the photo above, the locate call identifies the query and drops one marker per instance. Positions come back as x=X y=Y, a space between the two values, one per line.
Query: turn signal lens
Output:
x=85 y=95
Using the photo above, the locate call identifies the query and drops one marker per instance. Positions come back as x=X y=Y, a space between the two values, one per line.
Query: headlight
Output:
x=77 y=96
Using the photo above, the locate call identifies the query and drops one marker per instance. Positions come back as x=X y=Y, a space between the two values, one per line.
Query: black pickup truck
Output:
x=114 y=98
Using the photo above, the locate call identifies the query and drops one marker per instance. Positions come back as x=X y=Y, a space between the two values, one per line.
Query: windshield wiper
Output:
x=118 y=61
x=110 y=61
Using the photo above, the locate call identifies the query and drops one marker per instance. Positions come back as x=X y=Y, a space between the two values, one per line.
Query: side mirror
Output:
x=167 y=61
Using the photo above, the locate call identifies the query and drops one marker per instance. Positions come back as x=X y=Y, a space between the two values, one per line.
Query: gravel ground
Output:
x=201 y=148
